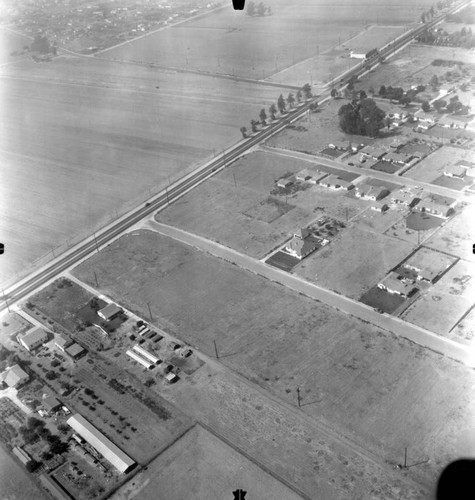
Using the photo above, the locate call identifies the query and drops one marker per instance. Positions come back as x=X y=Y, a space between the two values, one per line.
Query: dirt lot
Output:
x=377 y=221
x=464 y=332
x=354 y=262
x=105 y=141
x=202 y=466
x=457 y=235
x=234 y=207
x=401 y=231
x=364 y=391
x=291 y=34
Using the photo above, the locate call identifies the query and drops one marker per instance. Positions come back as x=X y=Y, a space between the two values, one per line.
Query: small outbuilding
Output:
x=75 y=351
x=51 y=404
x=109 y=312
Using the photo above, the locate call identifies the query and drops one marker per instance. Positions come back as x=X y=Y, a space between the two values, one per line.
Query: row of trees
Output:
x=463 y=38
x=361 y=117
x=453 y=106
x=258 y=10
x=282 y=106
x=430 y=14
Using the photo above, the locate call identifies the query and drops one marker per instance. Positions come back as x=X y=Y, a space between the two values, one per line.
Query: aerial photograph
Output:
x=237 y=249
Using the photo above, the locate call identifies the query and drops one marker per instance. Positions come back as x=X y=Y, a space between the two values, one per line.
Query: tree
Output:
x=281 y=103
x=405 y=100
x=334 y=93
x=40 y=44
x=261 y=9
x=263 y=116
x=423 y=17
x=440 y=104
x=382 y=91
x=32 y=465
x=299 y=95
x=291 y=99
x=425 y=106
x=434 y=81
x=363 y=118
x=251 y=9
x=272 y=111
x=254 y=125
x=363 y=94
x=243 y=131
x=307 y=90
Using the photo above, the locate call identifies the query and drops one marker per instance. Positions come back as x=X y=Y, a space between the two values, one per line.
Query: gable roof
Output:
x=13 y=376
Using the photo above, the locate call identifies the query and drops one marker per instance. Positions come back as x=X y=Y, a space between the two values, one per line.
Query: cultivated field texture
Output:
x=231 y=42
x=81 y=143
x=201 y=466
x=377 y=389
x=354 y=262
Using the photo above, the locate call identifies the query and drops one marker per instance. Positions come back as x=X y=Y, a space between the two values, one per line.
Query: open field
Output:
x=201 y=466
x=282 y=340
x=241 y=208
x=402 y=231
x=11 y=42
x=97 y=147
x=464 y=331
x=432 y=167
x=377 y=221
x=354 y=262
x=216 y=43
x=456 y=236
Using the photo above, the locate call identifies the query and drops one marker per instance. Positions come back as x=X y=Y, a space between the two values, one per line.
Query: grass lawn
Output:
x=200 y=465
x=379 y=299
x=420 y=221
x=354 y=262
x=363 y=379
x=385 y=166
x=283 y=261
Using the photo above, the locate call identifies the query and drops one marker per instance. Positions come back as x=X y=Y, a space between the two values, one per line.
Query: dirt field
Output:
x=282 y=341
x=202 y=466
x=101 y=139
x=216 y=43
x=401 y=231
x=376 y=221
x=354 y=262
x=456 y=236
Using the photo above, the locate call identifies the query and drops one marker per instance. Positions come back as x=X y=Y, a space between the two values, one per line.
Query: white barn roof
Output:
x=103 y=445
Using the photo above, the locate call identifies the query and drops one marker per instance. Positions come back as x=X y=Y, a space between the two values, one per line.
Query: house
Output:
x=455 y=171
x=109 y=312
x=304 y=175
x=61 y=342
x=339 y=145
x=51 y=404
x=405 y=198
x=285 y=183
x=427 y=119
x=171 y=378
x=300 y=248
x=75 y=351
x=397 y=285
x=33 y=339
x=14 y=376
x=434 y=208
x=368 y=192
x=317 y=176
x=397 y=158
x=334 y=182
x=372 y=152
x=397 y=144
x=379 y=206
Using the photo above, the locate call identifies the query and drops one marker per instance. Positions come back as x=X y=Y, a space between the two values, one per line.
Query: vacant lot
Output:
x=294 y=32
x=101 y=139
x=377 y=221
x=354 y=262
x=283 y=340
x=464 y=332
x=401 y=231
x=457 y=235
x=201 y=466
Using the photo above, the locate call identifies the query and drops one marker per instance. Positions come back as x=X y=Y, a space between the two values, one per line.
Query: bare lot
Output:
x=377 y=221
x=354 y=262
x=282 y=341
x=202 y=466
x=401 y=231
x=456 y=236
x=101 y=139
x=291 y=34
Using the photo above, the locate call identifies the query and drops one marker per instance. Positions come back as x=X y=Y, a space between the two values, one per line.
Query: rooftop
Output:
x=34 y=335
x=110 y=310
x=394 y=283
x=13 y=376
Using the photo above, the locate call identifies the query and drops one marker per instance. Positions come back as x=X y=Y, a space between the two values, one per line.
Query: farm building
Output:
x=395 y=284
x=145 y=363
x=144 y=353
x=22 y=455
x=53 y=488
x=51 y=404
x=357 y=54
x=14 y=376
x=334 y=182
x=171 y=377
x=61 y=342
x=75 y=351
x=285 y=183
x=455 y=171
x=33 y=339
x=368 y=192
x=103 y=445
x=109 y=312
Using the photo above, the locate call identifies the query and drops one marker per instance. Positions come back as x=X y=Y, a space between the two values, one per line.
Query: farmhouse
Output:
x=334 y=182
x=14 y=376
x=109 y=312
x=368 y=192
x=397 y=285
x=51 y=404
x=285 y=183
x=75 y=351
x=112 y=453
x=33 y=339
x=455 y=171
x=61 y=342
x=317 y=176
x=303 y=244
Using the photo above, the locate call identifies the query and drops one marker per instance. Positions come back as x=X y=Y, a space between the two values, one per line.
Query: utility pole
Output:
x=168 y=199
x=95 y=241
x=235 y=183
x=95 y=277
x=216 y=349
x=405 y=457
x=52 y=250
x=298 y=396
x=149 y=311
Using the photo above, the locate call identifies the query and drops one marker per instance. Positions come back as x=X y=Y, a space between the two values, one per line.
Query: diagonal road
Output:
x=361 y=311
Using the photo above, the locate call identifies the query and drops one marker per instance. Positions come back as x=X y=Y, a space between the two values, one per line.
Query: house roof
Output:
x=457 y=170
x=101 y=443
x=397 y=157
x=13 y=376
x=405 y=197
x=33 y=336
x=62 y=341
x=373 y=151
x=110 y=310
x=51 y=403
x=335 y=181
x=367 y=191
x=75 y=349
x=304 y=174
x=394 y=284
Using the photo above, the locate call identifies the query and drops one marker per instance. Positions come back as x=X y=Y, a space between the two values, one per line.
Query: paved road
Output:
x=397 y=326
x=383 y=176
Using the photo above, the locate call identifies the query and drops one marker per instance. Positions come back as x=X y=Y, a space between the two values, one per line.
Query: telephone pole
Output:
x=298 y=396
x=216 y=349
x=149 y=311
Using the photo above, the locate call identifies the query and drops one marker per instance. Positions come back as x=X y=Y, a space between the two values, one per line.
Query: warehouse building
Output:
x=112 y=453
x=139 y=359
x=146 y=354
